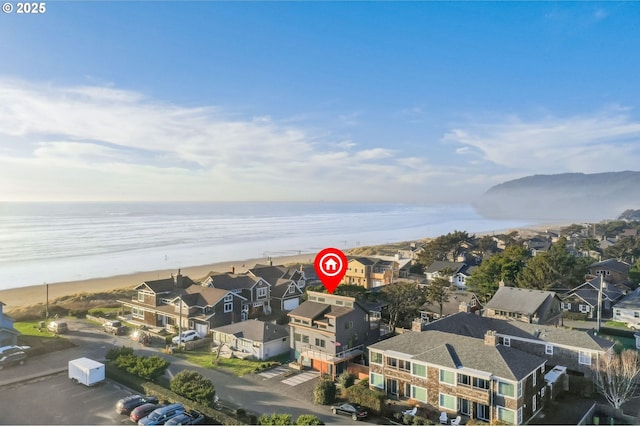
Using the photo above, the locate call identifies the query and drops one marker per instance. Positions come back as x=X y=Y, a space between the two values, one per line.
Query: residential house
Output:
x=458 y=374
x=614 y=271
x=459 y=301
x=285 y=295
x=178 y=302
x=8 y=334
x=255 y=291
x=537 y=245
x=577 y=350
x=526 y=305
x=272 y=274
x=404 y=263
x=328 y=331
x=460 y=272
x=370 y=272
x=254 y=339
x=584 y=298
x=627 y=310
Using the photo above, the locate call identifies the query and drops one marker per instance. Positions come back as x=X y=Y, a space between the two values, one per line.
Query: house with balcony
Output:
x=523 y=304
x=461 y=375
x=8 y=334
x=255 y=291
x=178 y=301
x=328 y=331
x=577 y=350
x=370 y=272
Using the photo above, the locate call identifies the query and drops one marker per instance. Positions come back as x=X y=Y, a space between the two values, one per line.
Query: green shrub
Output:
x=398 y=417
x=127 y=362
x=346 y=379
x=129 y=380
x=370 y=398
x=194 y=386
x=407 y=419
x=308 y=419
x=114 y=353
x=275 y=419
x=417 y=420
x=96 y=312
x=212 y=416
x=151 y=367
x=324 y=392
x=78 y=313
x=364 y=382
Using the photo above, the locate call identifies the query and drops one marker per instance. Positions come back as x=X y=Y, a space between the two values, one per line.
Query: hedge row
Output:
x=127 y=379
x=213 y=416
x=370 y=398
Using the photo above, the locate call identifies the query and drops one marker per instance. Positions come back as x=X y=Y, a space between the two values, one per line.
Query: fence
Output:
x=358 y=370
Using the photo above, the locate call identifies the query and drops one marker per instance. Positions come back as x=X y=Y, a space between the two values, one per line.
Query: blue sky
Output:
x=309 y=101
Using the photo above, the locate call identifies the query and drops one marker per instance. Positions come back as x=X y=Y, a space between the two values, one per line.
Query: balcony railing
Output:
x=340 y=356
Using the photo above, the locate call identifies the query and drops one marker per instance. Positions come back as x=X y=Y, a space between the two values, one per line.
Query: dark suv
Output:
x=125 y=405
x=12 y=356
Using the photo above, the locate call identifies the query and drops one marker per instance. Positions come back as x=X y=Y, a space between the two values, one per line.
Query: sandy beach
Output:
x=24 y=296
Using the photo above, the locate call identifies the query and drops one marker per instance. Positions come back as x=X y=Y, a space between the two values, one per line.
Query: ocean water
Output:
x=55 y=242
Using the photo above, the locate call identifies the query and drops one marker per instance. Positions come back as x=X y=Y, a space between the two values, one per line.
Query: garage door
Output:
x=291 y=304
x=202 y=330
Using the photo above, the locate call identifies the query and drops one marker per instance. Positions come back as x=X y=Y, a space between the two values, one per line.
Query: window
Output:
x=636 y=314
x=339 y=302
x=519 y=389
x=506 y=341
x=165 y=301
x=584 y=309
x=419 y=394
x=584 y=358
x=447 y=377
x=542 y=392
x=228 y=307
x=565 y=306
x=617 y=312
x=463 y=379
x=292 y=289
x=376 y=380
x=506 y=389
x=262 y=292
x=520 y=415
x=404 y=365
x=297 y=337
x=320 y=343
x=506 y=415
x=375 y=357
x=548 y=349
x=228 y=298
x=140 y=296
x=305 y=339
x=448 y=401
x=419 y=370
x=535 y=377
x=348 y=325
x=392 y=362
x=480 y=383
x=137 y=313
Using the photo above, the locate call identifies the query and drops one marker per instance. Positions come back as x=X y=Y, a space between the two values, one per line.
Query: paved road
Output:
x=253 y=392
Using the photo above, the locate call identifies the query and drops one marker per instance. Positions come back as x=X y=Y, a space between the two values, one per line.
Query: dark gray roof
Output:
x=206 y=296
x=439 y=265
x=228 y=281
x=520 y=300
x=631 y=301
x=468 y=324
x=280 y=290
x=452 y=306
x=310 y=310
x=613 y=264
x=255 y=330
x=589 y=290
x=454 y=351
x=159 y=286
x=367 y=261
x=269 y=273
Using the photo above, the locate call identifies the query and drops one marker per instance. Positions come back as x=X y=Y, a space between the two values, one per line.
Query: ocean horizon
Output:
x=49 y=242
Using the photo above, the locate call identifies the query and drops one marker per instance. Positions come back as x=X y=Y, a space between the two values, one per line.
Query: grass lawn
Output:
x=237 y=366
x=616 y=324
x=40 y=341
x=30 y=328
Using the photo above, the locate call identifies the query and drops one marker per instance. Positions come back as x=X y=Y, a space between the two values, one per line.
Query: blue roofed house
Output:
x=8 y=334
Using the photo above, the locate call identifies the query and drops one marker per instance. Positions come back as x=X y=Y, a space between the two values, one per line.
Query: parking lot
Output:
x=54 y=400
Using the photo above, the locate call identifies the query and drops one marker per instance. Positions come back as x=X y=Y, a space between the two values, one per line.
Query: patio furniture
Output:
x=443 y=418
x=456 y=421
x=411 y=412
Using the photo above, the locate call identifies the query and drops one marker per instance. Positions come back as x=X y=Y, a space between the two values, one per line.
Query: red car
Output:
x=142 y=411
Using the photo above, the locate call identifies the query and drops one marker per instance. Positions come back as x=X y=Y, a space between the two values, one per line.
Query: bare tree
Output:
x=616 y=376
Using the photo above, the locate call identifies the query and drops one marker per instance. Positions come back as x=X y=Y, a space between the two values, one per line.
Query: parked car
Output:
x=12 y=356
x=161 y=415
x=354 y=410
x=126 y=405
x=58 y=327
x=142 y=411
x=114 y=327
x=192 y=417
x=187 y=336
x=3 y=349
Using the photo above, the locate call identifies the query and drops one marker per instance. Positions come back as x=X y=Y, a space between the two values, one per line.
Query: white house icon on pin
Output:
x=331 y=265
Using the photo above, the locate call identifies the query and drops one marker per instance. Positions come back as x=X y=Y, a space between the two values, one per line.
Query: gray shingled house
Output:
x=526 y=305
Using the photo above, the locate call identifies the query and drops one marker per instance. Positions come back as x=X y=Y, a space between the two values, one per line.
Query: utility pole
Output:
x=180 y=324
x=600 y=300
x=46 y=307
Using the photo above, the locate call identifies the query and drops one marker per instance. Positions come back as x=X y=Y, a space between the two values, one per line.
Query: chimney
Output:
x=178 y=279
x=490 y=338
x=418 y=324
x=501 y=283
x=463 y=307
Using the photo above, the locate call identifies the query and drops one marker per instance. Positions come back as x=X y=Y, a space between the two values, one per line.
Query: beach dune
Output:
x=24 y=296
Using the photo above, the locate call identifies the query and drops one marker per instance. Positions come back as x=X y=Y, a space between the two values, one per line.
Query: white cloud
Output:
x=598 y=142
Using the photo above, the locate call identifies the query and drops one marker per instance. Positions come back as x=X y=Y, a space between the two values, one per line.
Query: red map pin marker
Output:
x=330 y=265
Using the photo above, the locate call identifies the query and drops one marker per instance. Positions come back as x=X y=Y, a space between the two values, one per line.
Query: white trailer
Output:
x=86 y=371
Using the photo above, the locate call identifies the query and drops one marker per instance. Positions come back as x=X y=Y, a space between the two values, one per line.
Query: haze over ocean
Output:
x=55 y=242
